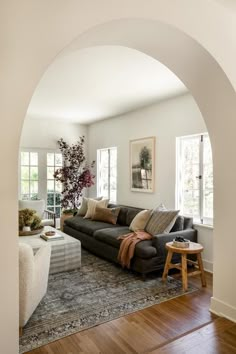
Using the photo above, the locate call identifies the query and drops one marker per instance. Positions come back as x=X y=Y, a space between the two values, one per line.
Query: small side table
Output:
x=194 y=248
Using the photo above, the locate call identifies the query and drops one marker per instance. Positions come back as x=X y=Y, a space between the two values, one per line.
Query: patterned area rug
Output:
x=99 y=292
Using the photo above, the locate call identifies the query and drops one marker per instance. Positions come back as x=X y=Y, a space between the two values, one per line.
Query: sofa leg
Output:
x=20 y=331
x=144 y=276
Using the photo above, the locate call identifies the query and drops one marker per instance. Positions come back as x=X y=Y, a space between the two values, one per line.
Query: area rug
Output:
x=98 y=292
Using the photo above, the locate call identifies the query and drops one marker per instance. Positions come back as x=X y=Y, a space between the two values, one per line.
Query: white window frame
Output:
x=179 y=203
x=42 y=171
x=108 y=172
x=29 y=166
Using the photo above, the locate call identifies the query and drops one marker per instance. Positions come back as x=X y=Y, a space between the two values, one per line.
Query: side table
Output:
x=194 y=248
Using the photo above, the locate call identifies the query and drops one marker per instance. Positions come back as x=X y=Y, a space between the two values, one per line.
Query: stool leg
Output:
x=184 y=271
x=168 y=261
x=200 y=265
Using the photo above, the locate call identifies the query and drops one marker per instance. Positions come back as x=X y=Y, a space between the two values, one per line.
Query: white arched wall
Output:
x=35 y=32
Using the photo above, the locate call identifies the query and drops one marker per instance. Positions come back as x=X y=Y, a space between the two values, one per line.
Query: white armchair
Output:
x=33 y=279
x=48 y=217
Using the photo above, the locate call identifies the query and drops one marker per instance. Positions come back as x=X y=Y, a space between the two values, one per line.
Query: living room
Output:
x=220 y=249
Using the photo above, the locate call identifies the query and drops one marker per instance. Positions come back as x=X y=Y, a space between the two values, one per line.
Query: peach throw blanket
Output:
x=128 y=244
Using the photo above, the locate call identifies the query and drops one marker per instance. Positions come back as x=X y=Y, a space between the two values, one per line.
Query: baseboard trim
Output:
x=208 y=266
x=222 y=309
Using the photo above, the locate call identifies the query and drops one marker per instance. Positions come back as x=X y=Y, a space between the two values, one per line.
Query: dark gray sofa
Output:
x=100 y=238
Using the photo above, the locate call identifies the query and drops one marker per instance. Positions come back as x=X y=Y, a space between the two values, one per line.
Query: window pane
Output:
x=191 y=172
x=208 y=177
x=50 y=199
x=191 y=203
x=33 y=187
x=25 y=187
x=24 y=158
x=58 y=159
x=208 y=204
x=34 y=173
x=58 y=187
x=34 y=196
x=50 y=159
x=24 y=172
x=207 y=154
x=50 y=208
x=190 y=150
x=113 y=158
x=58 y=212
x=50 y=172
x=50 y=186
x=24 y=196
x=34 y=159
x=57 y=199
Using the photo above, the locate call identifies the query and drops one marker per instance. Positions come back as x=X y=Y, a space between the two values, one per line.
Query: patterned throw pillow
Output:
x=161 y=221
x=140 y=220
x=84 y=205
x=92 y=203
x=108 y=215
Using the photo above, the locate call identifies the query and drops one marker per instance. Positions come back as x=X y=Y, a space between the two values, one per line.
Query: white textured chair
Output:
x=33 y=279
x=48 y=217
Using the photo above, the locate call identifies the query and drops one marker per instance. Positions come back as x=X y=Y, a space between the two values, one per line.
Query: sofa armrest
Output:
x=159 y=241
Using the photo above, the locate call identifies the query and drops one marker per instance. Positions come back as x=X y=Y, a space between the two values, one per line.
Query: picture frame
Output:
x=142 y=164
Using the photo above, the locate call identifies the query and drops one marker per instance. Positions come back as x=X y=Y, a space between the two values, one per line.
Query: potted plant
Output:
x=75 y=175
x=29 y=222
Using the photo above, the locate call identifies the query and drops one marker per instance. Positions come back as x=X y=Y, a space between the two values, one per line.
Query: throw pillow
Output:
x=161 y=221
x=109 y=215
x=140 y=220
x=92 y=203
x=84 y=205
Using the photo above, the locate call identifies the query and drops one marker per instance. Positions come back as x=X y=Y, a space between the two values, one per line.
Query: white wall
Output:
x=42 y=133
x=166 y=121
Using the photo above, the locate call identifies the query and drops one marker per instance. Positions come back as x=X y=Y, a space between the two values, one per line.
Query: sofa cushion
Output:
x=179 y=224
x=140 y=220
x=131 y=213
x=92 y=204
x=161 y=221
x=87 y=226
x=143 y=249
x=106 y=214
x=84 y=205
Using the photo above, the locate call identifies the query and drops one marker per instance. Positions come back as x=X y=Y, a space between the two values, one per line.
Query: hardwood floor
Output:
x=181 y=325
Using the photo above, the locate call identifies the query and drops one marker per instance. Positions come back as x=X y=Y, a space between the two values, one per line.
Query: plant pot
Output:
x=63 y=218
x=26 y=229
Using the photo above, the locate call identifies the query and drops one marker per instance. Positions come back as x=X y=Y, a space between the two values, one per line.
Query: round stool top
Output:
x=193 y=248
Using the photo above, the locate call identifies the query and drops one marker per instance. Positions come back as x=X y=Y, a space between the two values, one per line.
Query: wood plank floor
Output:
x=181 y=325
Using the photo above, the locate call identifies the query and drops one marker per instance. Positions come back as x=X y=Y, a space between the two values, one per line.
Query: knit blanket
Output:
x=127 y=246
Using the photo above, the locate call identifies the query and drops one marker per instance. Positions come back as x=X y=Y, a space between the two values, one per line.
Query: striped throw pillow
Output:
x=161 y=221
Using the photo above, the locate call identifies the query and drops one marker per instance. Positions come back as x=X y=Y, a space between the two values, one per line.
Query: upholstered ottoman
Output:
x=65 y=254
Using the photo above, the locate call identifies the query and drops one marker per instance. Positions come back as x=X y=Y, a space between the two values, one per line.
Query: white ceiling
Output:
x=100 y=82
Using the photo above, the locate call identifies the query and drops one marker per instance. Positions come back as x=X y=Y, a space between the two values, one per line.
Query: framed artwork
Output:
x=142 y=164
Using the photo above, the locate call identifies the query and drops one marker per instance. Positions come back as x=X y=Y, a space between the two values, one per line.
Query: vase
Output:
x=26 y=228
x=63 y=218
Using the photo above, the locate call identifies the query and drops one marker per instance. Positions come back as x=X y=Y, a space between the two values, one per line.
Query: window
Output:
x=54 y=161
x=107 y=173
x=195 y=178
x=29 y=175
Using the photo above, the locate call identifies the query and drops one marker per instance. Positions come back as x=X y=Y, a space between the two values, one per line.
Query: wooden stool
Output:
x=194 y=248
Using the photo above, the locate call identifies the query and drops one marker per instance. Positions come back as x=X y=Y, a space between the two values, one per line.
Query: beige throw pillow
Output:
x=92 y=203
x=140 y=220
x=84 y=205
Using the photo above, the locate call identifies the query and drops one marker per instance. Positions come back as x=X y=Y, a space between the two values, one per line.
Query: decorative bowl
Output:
x=50 y=233
x=178 y=244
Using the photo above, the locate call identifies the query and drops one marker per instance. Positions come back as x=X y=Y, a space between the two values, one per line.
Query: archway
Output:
x=212 y=91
